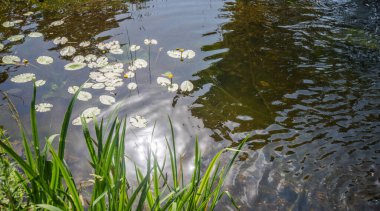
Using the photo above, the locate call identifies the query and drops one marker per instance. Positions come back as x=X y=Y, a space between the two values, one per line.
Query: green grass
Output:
x=48 y=181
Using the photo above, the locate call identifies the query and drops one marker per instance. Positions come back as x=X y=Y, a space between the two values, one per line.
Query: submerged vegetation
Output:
x=48 y=183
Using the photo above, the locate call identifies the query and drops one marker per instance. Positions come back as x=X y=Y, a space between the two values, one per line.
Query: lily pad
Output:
x=8 y=24
x=28 y=13
x=67 y=51
x=107 y=100
x=187 y=86
x=1 y=46
x=79 y=59
x=74 y=66
x=23 y=78
x=84 y=96
x=163 y=81
x=15 y=38
x=132 y=86
x=35 y=34
x=40 y=83
x=117 y=51
x=60 y=40
x=10 y=59
x=173 y=87
x=72 y=89
x=45 y=60
x=134 y=47
x=43 y=107
x=98 y=86
x=150 y=42
x=138 y=121
x=140 y=63
x=57 y=23
x=85 y=44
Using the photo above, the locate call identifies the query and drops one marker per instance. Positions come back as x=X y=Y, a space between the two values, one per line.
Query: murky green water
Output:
x=302 y=77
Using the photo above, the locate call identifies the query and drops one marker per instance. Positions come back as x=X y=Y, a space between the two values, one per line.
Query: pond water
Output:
x=302 y=77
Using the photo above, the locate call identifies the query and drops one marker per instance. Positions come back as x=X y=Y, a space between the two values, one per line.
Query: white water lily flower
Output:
x=57 y=23
x=72 y=89
x=35 y=34
x=110 y=88
x=43 y=107
x=45 y=60
x=98 y=86
x=187 y=86
x=87 y=85
x=74 y=66
x=23 y=78
x=134 y=47
x=163 y=81
x=67 y=51
x=172 y=87
x=138 y=121
x=10 y=59
x=79 y=59
x=174 y=54
x=101 y=46
x=1 y=46
x=132 y=86
x=140 y=63
x=84 y=96
x=8 y=24
x=90 y=58
x=117 y=51
x=129 y=74
x=132 y=68
x=107 y=100
x=15 y=38
x=150 y=42
x=28 y=13
x=85 y=44
x=40 y=83
x=60 y=40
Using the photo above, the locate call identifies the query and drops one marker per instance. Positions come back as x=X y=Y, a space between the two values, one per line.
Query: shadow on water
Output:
x=303 y=78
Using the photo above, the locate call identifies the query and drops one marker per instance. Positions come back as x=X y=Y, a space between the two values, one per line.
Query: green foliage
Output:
x=52 y=186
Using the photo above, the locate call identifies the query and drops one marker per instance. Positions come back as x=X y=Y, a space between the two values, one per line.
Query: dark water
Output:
x=303 y=77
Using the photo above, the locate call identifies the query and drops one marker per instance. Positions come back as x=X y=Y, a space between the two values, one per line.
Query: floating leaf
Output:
x=132 y=86
x=188 y=54
x=187 y=86
x=18 y=21
x=57 y=23
x=79 y=59
x=72 y=89
x=150 y=42
x=10 y=59
x=132 y=68
x=140 y=63
x=43 y=107
x=74 y=66
x=87 y=85
x=173 y=87
x=264 y=83
x=163 y=81
x=134 y=47
x=8 y=24
x=112 y=75
x=1 y=46
x=15 y=38
x=110 y=88
x=67 y=51
x=102 y=61
x=87 y=114
x=98 y=86
x=45 y=60
x=90 y=58
x=23 y=78
x=60 y=40
x=35 y=34
x=107 y=100
x=129 y=74
x=40 y=83
x=28 y=13
x=84 y=96
x=117 y=51
x=138 y=121
x=174 y=54
x=114 y=82
x=85 y=44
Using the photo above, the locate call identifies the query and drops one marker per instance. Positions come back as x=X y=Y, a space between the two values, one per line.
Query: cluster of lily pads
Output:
x=106 y=74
